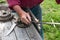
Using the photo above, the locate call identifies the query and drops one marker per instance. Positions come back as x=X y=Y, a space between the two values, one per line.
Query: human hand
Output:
x=25 y=17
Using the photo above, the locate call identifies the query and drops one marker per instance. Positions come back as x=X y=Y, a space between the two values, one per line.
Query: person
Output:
x=34 y=5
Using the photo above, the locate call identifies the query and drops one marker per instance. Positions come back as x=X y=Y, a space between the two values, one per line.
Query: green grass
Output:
x=2 y=1
x=51 y=10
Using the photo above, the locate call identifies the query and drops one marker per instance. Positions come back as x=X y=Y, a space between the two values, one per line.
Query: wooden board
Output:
x=29 y=33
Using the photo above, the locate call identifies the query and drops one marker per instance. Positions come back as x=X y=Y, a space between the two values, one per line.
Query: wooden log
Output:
x=29 y=33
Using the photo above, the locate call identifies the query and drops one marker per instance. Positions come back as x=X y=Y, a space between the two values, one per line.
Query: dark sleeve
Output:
x=12 y=3
x=58 y=1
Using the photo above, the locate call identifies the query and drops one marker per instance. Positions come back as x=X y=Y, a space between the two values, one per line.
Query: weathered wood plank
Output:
x=29 y=33
x=12 y=36
x=4 y=28
x=32 y=33
x=21 y=34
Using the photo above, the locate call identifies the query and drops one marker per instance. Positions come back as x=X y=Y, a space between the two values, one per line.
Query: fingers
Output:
x=25 y=20
x=28 y=17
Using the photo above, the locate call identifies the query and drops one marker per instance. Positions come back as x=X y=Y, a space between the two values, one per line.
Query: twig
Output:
x=50 y=23
x=53 y=22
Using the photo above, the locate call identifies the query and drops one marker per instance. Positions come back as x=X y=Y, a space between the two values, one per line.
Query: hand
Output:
x=25 y=17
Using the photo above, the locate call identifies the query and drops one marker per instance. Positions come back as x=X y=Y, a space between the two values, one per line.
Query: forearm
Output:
x=18 y=9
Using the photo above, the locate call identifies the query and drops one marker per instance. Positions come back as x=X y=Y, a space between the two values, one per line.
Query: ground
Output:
x=51 y=10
